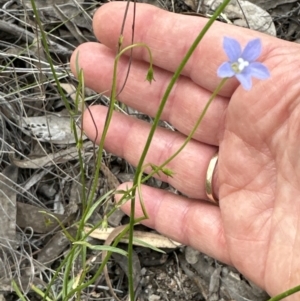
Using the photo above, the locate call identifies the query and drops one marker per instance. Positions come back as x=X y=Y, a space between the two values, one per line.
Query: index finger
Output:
x=169 y=36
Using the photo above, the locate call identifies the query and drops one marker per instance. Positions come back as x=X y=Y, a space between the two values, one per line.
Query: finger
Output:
x=184 y=106
x=191 y=222
x=169 y=36
x=127 y=137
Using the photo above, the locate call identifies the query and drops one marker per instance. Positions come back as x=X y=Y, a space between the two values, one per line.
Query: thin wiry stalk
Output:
x=154 y=126
x=75 y=251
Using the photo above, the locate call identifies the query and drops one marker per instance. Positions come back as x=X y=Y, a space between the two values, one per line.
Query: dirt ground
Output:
x=40 y=165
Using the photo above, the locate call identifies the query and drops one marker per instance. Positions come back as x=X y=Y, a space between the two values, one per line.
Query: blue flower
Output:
x=242 y=64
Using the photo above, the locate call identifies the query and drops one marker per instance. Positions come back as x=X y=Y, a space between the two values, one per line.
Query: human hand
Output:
x=256 y=228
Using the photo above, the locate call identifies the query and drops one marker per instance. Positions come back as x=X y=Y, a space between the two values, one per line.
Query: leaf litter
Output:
x=40 y=185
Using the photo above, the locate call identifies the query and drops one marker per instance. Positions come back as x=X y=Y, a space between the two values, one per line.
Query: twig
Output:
x=29 y=37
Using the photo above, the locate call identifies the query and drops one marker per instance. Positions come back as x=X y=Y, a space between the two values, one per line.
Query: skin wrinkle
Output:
x=186 y=127
x=294 y=246
x=171 y=102
x=168 y=150
x=221 y=236
x=277 y=220
x=285 y=117
x=121 y=77
x=285 y=131
x=185 y=229
x=249 y=147
x=157 y=209
x=184 y=217
x=288 y=177
x=184 y=47
x=256 y=241
x=144 y=53
x=288 y=252
x=154 y=17
x=127 y=142
x=251 y=257
x=294 y=122
x=167 y=112
x=293 y=130
x=257 y=208
x=285 y=156
x=281 y=212
x=193 y=73
x=265 y=151
x=186 y=183
x=222 y=126
x=267 y=217
x=263 y=137
x=260 y=201
x=194 y=233
x=244 y=238
x=253 y=182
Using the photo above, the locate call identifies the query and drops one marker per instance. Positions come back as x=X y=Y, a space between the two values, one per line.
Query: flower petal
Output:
x=252 y=50
x=225 y=70
x=259 y=70
x=232 y=48
x=245 y=79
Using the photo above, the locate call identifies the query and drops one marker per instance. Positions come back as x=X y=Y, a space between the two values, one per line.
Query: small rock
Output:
x=154 y=298
x=257 y=18
x=268 y=4
x=191 y=255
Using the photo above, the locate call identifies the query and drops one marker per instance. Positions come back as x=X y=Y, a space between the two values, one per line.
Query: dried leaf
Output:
x=50 y=128
x=153 y=239
x=50 y=159
x=257 y=18
x=55 y=246
x=71 y=92
x=37 y=218
x=267 y=4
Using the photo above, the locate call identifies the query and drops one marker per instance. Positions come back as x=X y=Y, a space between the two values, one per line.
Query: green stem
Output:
x=190 y=136
x=286 y=294
x=153 y=128
x=109 y=115
x=103 y=263
x=158 y=168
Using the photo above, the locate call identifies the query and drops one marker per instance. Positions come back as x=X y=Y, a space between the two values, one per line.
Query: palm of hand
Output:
x=259 y=180
x=256 y=228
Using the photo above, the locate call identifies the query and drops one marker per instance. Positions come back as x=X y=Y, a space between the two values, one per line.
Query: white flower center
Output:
x=240 y=65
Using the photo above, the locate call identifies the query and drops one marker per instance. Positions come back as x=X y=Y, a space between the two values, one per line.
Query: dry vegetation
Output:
x=40 y=168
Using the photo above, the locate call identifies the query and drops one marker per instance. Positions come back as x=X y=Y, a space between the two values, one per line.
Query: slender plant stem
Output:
x=103 y=263
x=191 y=134
x=153 y=128
x=109 y=114
x=286 y=294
